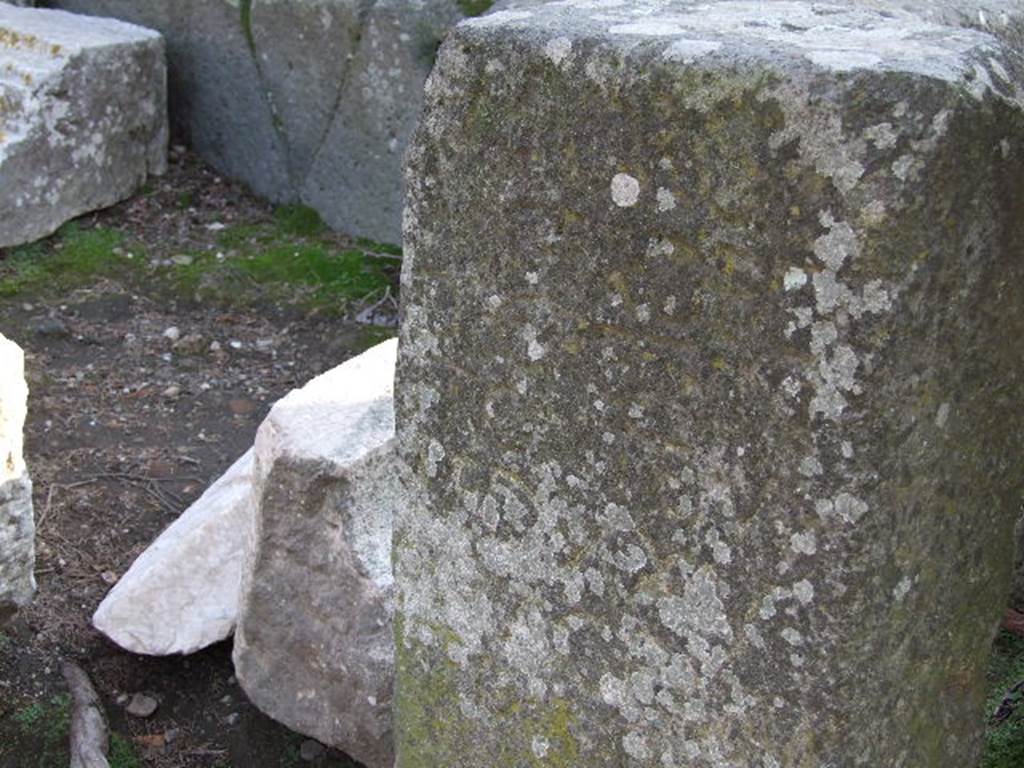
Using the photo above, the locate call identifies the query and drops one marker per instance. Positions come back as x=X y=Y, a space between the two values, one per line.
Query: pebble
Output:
x=233 y=719
x=172 y=391
x=215 y=346
x=53 y=327
x=173 y=333
x=141 y=705
x=182 y=260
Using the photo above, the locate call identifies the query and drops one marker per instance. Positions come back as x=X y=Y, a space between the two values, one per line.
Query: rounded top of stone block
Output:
x=870 y=35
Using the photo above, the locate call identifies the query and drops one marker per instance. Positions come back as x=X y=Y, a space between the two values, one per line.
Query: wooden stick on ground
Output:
x=90 y=741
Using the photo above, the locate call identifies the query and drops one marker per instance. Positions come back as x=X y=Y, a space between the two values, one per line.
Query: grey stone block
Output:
x=708 y=388
x=83 y=117
x=310 y=101
x=314 y=645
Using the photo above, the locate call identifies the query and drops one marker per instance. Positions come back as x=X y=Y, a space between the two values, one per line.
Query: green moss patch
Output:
x=73 y=257
x=292 y=260
x=475 y=7
x=40 y=729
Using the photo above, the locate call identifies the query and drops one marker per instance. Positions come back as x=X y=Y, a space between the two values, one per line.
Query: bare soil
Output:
x=126 y=428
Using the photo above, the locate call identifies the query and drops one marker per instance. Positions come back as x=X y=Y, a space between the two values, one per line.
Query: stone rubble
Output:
x=291 y=550
x=83 y=121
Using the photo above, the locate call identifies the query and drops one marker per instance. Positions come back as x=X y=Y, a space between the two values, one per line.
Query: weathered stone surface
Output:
x=356 y=174
x=83 y=119
x=17 y=527
x=181 y=594
x=308 y=101
x=314 y=646
x=709 y=388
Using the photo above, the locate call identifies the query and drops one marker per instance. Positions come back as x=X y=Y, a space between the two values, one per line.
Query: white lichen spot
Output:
x=834 y=248
x=435 y=453
x=636 y=746
x=794 y=279
x=666 y=200
x=849 y=507
x=810 y=466
x=558 y=49
x=803 y=591
x=532 y=278
x=540 y=747
x=942 y=417
x=804 y=543
x=670 y=306
x=699 y=609
x=636 y=411
x=791 y=386
x=493 y=302
x=534 y=349
x=883 y=135
x=625 y=190
x=792 y=637
x=900 y=590
x=846 y=447
x=643 y=313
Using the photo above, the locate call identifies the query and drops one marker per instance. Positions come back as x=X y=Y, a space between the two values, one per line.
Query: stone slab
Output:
x=83 y=120
x=181 y=594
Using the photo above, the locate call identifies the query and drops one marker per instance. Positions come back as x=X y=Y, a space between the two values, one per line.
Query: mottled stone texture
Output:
x=709 y=388
x=83 y=117
x=17 y=528
x=314 y=645
x=309 y=101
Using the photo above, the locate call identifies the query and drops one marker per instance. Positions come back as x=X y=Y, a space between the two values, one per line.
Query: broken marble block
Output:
x=314 y=646
x=709 y=388
x=17 y=527
x=83 y=117
x=181 y=594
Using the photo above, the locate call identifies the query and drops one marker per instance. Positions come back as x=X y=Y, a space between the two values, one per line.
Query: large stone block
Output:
x=308 y=101
x=83 y=117
x=17 y=527
x=314 y=646
x=709 y=388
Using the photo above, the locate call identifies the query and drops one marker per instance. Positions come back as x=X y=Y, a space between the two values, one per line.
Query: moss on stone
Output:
x=475 y=7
